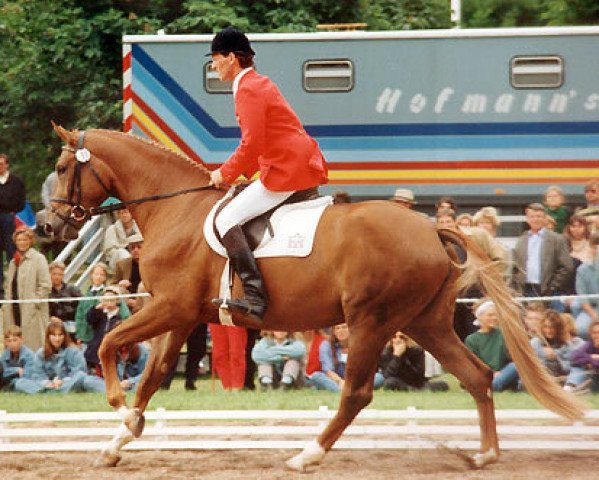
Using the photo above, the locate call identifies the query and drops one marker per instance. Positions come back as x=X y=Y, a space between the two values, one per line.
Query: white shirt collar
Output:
x=4 y=178
x=238 y=78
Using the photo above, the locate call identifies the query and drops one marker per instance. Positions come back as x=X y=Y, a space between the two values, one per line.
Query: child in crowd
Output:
x=98 y=276
x=16 y=359
x=554 y=347
x=488 y=344
x=402 y=365
x=553 y=201
x=279 y=357
x=333 y=358
x=534 y=313
x=585 y=360
x=57 y=366
x=102 y=318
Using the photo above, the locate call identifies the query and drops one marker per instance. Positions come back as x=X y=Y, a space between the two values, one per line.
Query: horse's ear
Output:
x=64 y=134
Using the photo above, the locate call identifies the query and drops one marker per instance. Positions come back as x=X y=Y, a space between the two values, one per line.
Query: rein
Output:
x=79 y=212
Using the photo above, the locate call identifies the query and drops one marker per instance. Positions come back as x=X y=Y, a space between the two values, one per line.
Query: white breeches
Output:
x=250 y=203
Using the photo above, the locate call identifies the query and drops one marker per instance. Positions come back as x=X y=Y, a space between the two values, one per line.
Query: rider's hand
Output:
x=216 y=178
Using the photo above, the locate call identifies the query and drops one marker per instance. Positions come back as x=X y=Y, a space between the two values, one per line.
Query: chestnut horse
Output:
x=379 y=267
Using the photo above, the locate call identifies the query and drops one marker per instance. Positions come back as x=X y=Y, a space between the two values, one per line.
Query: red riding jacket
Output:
x=272 y=140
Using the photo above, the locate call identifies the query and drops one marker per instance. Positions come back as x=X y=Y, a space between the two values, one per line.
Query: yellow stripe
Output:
x=158 y=134
x=471 y=174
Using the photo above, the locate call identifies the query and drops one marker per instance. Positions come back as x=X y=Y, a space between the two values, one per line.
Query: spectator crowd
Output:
x=52 y=347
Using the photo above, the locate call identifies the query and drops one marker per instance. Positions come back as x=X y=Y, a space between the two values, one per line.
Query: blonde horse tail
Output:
x=536 y=379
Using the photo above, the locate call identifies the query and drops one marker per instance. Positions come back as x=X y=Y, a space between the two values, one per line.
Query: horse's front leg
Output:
x=149 y=322
x=164 y=352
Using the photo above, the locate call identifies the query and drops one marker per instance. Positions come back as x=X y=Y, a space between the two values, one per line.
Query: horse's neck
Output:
x=143 y=169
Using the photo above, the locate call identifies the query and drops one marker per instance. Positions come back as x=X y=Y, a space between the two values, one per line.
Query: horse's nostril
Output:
x=48 y=230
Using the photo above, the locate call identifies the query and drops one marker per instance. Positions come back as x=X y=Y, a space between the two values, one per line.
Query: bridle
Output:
x=78 y=212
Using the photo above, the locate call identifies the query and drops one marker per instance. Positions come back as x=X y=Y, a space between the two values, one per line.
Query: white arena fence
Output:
x=292 y=429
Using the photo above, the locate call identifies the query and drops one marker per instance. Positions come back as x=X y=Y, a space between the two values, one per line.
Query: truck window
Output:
x=212 y=83
x=537 y=71
x=328 y=75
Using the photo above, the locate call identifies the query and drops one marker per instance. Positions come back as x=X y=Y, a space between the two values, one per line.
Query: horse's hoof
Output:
x=135 y=423
x=296 y=464
x=107 y=459
x=481 y=459
x=313 y=454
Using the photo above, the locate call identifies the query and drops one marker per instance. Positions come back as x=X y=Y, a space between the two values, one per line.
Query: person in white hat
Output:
x=404 y=197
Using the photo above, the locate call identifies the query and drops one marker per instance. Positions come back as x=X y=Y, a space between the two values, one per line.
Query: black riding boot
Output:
x=254 y=301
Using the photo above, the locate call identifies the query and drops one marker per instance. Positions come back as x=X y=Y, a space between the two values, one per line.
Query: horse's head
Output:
x=83 y=182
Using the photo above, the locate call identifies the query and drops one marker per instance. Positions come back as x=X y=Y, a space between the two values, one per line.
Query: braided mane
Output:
x=160 y=146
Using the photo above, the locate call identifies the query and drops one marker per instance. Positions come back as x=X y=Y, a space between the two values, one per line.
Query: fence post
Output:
x=3 y=439
x=161 y=424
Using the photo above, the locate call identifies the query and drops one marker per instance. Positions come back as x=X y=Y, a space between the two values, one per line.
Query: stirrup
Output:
x=242 y=305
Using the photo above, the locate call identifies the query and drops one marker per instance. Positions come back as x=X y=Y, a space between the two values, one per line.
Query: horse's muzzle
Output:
x=58 y=229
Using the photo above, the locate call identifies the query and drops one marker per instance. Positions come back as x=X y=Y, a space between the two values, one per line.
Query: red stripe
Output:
x=425 y=181
x=127 y=62
x=127 y=93
x=463 y=164
x=127 y=123
x=166 y=129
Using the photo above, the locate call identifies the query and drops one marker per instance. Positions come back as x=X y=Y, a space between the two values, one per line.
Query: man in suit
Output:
x=274 y=143
x=127 y=270
x=542 y=263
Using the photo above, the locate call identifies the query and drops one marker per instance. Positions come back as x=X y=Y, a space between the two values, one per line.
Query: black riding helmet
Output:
x=230 y=40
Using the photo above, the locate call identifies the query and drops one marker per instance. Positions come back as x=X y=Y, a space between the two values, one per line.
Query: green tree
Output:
x=407 y=14
x=571 y=12
x=501 y=13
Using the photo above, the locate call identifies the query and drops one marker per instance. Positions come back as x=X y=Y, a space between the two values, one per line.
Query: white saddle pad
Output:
x=293 y=225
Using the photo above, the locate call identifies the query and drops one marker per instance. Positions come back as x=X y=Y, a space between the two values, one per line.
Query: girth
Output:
x=255 y=229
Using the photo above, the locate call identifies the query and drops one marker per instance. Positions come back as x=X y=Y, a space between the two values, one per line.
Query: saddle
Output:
x=256 y=228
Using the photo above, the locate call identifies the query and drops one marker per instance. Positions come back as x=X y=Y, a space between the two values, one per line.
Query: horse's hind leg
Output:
x=433 y=331
x=365 y=344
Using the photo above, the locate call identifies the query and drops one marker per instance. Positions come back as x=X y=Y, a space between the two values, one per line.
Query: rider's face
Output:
x=224 y=66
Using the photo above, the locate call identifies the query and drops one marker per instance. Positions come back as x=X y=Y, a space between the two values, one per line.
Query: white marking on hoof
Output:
x=313 y=454
x=107 y=459
x=481 y=459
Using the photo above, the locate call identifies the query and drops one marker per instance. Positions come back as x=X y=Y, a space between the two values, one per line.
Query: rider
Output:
x=274 y=143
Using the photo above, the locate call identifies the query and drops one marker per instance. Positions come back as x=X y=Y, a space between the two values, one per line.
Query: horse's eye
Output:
x=60 y=170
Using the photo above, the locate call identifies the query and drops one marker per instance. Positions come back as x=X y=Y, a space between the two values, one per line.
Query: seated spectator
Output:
x=578 y=233
x=63 y=310
x=402 y=366
x=57 y=366
x=280 y=358
x=587 y=283
x=488 y=344
x=534 y=314
x=313 y=339
x=16 y=359
x=488 y=219
x=131 y=360
x=115 y=238
x=126 y=274
x=554 y=347
x=464 y=220
x=333 y=357
x=341 y=196
x=591 y=210
x=553 y=201
x=27 y=278
x=102 y=319
x=98 y=277
x=585 y=359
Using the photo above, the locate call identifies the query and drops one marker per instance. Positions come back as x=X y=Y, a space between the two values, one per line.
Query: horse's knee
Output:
x=358 y=399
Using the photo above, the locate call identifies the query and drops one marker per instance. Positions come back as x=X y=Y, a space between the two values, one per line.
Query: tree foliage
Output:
x=62 y=60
